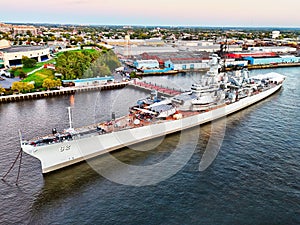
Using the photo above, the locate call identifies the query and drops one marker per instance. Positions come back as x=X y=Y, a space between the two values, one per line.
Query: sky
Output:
x=261 y=13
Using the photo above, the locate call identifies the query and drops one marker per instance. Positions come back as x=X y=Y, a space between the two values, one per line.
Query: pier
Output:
x=159 y=88
x=62 y=91
x=274 y=65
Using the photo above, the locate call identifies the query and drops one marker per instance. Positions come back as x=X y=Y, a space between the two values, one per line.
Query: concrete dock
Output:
x=62 y=91
x=275 y=65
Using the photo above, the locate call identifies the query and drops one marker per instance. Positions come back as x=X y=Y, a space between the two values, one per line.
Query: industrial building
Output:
x=266 y=56
x=146 y=64
x=88 y=81
x=180 y=60
x=235 y=62
x=272 y=60
x=133 y=50
x=134 y=42
x=207 y=46
x=12 y=55
x=240 y=55
x=276 y=49
x=137 y=47
x=187 y=64
x=162 y=57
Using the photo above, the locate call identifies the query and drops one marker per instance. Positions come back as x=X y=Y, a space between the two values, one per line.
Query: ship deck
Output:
x=136 y=118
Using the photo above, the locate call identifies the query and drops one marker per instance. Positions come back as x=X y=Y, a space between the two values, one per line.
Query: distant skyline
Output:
x=255 y=13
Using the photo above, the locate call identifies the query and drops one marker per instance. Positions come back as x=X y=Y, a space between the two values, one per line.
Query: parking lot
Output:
x=7 y=82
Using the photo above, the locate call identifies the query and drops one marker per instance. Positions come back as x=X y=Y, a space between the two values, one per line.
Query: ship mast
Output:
x=70 y=117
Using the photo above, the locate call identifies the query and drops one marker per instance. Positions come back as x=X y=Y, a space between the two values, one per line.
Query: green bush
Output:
x=9 y=92
x=22 y=74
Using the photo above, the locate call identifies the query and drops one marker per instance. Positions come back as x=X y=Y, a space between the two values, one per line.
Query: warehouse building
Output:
x=88 y=81
x=240 y=55
x=133 y=50
x=146 y=64
x=276 y=49
x=179 y=61
x=187 y=64
x=162 y=57
x=272 y=60
x=235 y=62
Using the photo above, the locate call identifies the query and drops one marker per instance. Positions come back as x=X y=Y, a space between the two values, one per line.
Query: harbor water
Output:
x=254 y=179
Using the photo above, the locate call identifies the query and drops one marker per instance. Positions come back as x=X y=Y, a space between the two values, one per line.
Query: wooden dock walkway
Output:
x=160 y=89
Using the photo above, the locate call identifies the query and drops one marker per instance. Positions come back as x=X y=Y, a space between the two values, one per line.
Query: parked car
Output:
x=5 y=73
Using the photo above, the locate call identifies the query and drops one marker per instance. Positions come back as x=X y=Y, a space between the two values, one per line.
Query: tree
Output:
x=28 y=87
x=2 y=89
x=88 y=73
x=22 y=74
x=17 y=86
x=58 y=83
x=73 y=64
x=86 y=64
x=22 y=86
x=28 y=62
x=13 y=71
x=49 y=83
x=109 y=59
x=100 y=70
x=134 y=75
x=28 y=32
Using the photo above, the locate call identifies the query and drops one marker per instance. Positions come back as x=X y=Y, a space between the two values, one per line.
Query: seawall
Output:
x=62 y=91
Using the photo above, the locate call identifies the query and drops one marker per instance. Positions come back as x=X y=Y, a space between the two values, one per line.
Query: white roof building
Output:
x=277 y=49
x=12 y=55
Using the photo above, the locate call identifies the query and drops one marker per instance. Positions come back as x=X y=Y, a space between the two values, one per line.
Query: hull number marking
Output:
x=65 y=148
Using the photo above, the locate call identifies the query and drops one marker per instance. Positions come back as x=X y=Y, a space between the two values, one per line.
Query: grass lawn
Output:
x=38 y=65
x=39 y=77
x=75 y=50
x=88 y=50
